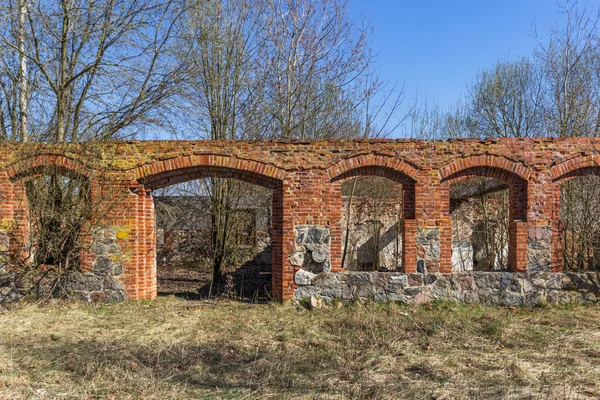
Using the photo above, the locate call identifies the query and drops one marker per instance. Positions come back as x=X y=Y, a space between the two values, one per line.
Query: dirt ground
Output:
x=191 y=281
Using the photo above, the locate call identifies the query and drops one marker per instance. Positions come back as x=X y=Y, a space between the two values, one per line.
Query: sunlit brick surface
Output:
x=305 y=178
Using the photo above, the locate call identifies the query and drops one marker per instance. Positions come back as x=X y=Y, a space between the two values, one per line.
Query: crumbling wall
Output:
x=304 y=176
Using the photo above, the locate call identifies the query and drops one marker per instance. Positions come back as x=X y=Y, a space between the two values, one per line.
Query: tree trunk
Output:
x=23 y=88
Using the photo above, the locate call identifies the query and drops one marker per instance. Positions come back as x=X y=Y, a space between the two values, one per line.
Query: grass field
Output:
x=168 y=349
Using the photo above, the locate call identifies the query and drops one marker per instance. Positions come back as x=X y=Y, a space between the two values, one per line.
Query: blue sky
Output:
x=439 y=46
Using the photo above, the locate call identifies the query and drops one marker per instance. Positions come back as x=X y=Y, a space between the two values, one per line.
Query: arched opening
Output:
x=579 y=225
x=218 y=232
x=58 y=206
x=375 y=203
x=479 y=209
x=485 y=206
x=52 y=214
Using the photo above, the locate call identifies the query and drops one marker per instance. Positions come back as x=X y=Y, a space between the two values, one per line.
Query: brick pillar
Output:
x=278 y=273
x=557 y=231
x=16 y=223
x=409 y=228
x=540 y=219
x=145 y=251
x=336 y=225
x=128 y=211
x=434 y=228
x=409 y=246
x=310 y=201
x=520 y=195
x=518 y=246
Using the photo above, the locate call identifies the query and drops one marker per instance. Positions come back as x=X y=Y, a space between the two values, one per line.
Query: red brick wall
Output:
x=305 y=177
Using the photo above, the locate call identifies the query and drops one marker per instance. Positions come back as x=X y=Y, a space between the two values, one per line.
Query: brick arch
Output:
x=490 y=172
x=184 y=168
x=24 y=170
x=517 y=182
x=497 y=167
x=571 y=168
x=180 y=169
x=392 y=168
x=387 y=166
x=370 y=163
x=485 y=161
x=517 y=186
x=34 y=165
x=576 y=166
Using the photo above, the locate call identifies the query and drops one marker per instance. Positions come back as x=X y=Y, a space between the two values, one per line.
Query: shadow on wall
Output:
x=369 y=255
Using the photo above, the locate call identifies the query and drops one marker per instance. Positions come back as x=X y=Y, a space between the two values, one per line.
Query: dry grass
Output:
x=165 y=350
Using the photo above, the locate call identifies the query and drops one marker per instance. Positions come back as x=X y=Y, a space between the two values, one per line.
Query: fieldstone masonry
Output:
x=99 y=284
x=103 y=280
x=490 y=288
x=305 y=178
x=539 y=248
x=428 y=250
x=312 y=248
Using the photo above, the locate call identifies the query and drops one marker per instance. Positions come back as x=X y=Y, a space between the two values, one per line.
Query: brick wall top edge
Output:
x=109 y=143
x=536 y=154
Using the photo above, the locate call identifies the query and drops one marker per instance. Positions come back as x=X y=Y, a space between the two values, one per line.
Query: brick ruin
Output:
x=307 y=211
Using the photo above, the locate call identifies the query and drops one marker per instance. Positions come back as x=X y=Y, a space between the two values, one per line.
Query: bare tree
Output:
x=506 y=101
x=569 y=61
x=267 y=69
x=312 y=66
x=78 y=70
x=220 y=44
x=23 y=83
x=571 y=69
x=556 y=93
x=101 y=66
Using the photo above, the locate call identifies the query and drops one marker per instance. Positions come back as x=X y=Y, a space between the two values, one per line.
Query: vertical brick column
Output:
x=129 y=211
x=442 y=211
x=557 y=259
x=541 y=198
x=308 y=199
x=433 y=232
x=336 y=225
x=144 y=231
x=518 y=234
x=16 y=223
x=409 y=245
x=409 y=227
x=519 y=227
x=277 y=252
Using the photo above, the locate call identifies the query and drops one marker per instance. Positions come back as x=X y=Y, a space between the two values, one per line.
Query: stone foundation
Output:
x=489 y=288
x=101 y=283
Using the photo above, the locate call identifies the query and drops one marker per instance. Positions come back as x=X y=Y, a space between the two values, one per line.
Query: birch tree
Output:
x=101 y=67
